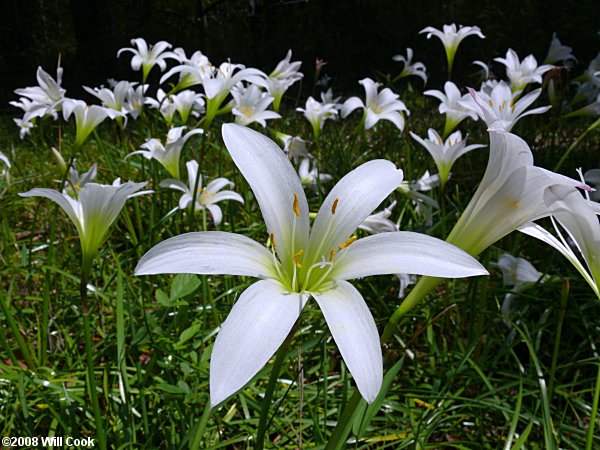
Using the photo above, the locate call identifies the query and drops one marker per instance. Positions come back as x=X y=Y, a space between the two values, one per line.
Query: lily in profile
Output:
x=450 y=105
x=45 y=98
x=167 y=154
x=207 y=196
x=146 y=56
x=522 y=73
x=445 y=153
x=559 y=52
x=317 y=113
x=285 y=75
x=87 y=117
x=518 y=274
x=302 y=263
x=417 y=69
x=377 y=106
x=114 y=98
x=451 y=37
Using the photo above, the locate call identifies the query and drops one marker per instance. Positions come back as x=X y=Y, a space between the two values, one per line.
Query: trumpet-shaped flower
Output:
x=317 y=113
x=377 y=106
x=445 y=153
x=559 y=52
x=206 y=197
x=500 y=109
x=185 y=103
x=251 y=105
x=517 y=273
x=294 y=146
x=135 y=100
x=87 y=117
x=25 y=127
x=380 y=222
x=285 y=74
x=417 y=69
x=92 y=211
x=310 y=176
x=578 y=216
x=75 y=182
x=192 y=71
x=44 y=98
x=302 y=263
x=167 y=154
x=145 y=57
x=114 y=98
x=424 y=205
x=450 y=104
x=520 y=73
x=451 y=38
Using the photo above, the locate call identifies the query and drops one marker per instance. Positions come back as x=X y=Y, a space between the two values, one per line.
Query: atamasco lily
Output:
x=578 y=217
x=417 y=68
x=451 y=37
x=284 y=75
x=377 y=106
x=450 y=105
x=46 y=97
x=114 y=98
x=309 y=174
x=302 y=263
x=206 y=197
x=146 y=56
x=559 y=52
x=87 y=117
x=251 y=105
x=317 y=113
x=522 y=73
x=167 y=154
x=518 y=274
x=445 y=153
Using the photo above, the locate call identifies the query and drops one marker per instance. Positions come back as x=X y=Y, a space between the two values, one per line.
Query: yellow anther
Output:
x=491 y=103
x=350 y=240
x=296 y=209
x=296 y=257
x=503 y=105
x=272 y=239
x=331 y=255
x=334 y=206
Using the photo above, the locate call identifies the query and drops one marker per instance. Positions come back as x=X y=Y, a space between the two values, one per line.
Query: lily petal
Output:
x=210 y=252
x=254 y=329
x=355 y=333
x=404 y=252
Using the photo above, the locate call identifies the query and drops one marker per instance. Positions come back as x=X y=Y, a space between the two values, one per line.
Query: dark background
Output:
x=356 y=37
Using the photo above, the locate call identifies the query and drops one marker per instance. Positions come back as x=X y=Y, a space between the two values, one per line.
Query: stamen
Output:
x=295 y=206
x=334 y=206
x=296 y=257
x=272 y=239
x=331 y=254
x=350 y=240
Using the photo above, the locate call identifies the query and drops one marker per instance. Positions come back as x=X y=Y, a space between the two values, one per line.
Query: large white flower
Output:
x=317 y=113
x=450 y=104
x=251 y=105
x=207 y=196
x=302 y=263
x=285 y=74
x=167 y=154
x=377 y=106
x=451 y=38
x=87 y=117
x=114 y=98
x=445 y=153
x=520 y=73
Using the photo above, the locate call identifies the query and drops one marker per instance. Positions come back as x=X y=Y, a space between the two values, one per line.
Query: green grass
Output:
x=462 y=376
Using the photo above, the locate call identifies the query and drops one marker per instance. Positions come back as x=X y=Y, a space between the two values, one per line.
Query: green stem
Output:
x=590 y=434
x=574 y=144
x=282 y=354
x=14 y=327
x=91 y=379
x=201 y=427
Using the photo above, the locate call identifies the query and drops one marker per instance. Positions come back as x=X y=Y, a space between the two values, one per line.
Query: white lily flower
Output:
x=517 y=273
x=445 y=153
x=578 y=216
x=520 y=73
x=451 y=38
x=377 y=106
x=424 y=205
x=92 y=212
x=251 y=105
x=303 y=263
x=192 y=71
x=46 y=97
x=168 y=154
x=114 y=98
x=294 y=146
x=380 y=222
x=501 y=110
x=135 y=100
x=405 y=279
x=87 y=117
x=559 y=52
x=166 y=105
x=510 y=195
x=328 y=98
x=75 y=182
x=317 y=113
x=146 y=56
x=32 y=109
x=25 y=127
x=206 y=197
x=285 y=74
x=310 y=176
x=5 y=160
x=450 y=104
x=417 y=69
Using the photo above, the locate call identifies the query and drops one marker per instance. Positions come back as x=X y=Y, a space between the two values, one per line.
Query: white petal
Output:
x=216 y=213
x=210 y=252
x=404 y=252
x=254 y=329
x=274 y=183
x=57 y=198
x=350 y=105
x=357 y=194
x=355 y=333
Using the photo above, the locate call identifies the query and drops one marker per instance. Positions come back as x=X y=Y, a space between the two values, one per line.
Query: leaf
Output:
x=189 y=333
x=162 y=298
x=184 y=284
